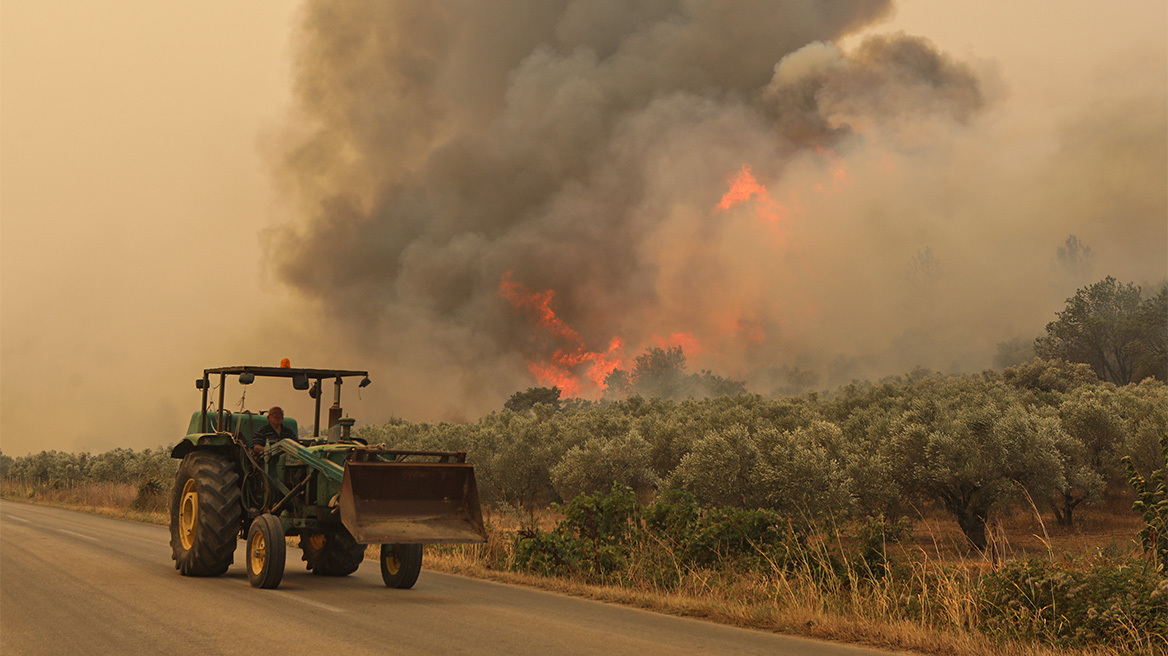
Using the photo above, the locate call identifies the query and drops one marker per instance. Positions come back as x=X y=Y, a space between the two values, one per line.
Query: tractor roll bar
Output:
x=315 y=375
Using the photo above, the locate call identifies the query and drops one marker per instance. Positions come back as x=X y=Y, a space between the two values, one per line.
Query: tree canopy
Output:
x=660 y=373
x=1109 y=326
x=524 y=401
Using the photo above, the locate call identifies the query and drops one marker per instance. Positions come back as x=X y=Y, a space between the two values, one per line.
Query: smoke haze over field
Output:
x=468 y=199
x=580 y=150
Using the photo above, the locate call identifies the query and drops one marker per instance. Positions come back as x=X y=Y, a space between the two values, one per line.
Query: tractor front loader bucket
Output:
x=411 y=502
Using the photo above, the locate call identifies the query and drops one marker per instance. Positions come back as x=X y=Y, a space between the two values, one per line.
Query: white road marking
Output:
x=288 y=595
x=91 y=539
x=302 y=600
x=19 y=519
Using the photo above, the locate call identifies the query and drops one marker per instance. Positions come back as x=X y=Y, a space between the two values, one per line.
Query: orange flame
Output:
x=743 y=187
x=688 y=343
x=563 y=367
x=539 y=305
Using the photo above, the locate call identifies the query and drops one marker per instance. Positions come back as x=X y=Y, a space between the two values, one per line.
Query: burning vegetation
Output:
x=538 y=192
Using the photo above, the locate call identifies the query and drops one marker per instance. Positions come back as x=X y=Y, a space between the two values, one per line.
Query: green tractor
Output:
x=336 y=492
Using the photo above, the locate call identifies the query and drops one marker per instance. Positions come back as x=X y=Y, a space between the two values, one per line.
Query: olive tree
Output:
x=1144 y=410
x=598 y=463
x=718 y=469
x=524 y=401
x=798 y=475
x=513 y=456
x=1109 y=327
x=1090 y=446
x=968 y=445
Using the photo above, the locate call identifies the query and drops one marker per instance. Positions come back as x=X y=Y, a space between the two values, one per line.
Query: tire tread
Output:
x=220 y=514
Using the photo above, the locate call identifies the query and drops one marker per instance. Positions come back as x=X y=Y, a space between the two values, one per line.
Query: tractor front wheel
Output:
x=266 y=551
x=335 y=554
x=400 y=564
x=205 y=514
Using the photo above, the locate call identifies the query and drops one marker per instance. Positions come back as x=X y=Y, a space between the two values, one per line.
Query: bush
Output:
x=551 y=553
x=595 y=465
x=1152 y=504
x=153 y=494
x=874 y=535
x=593 y=538
x=708 y=536
x=1092 y=601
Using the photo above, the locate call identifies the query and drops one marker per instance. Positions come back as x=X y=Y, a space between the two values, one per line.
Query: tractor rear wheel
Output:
x=205 y=514
x=266 y=551
x=400 y=564
x=335 y=554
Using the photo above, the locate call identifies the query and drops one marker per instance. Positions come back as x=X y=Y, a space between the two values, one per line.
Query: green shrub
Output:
x=550 y=553
x=592 y=539
x=874 y=535
x=729 y=533
x=674 y=515
x=605 y=522
x=707 y=536
x=1152 y=503
x=1095 y=601
x=153 y=493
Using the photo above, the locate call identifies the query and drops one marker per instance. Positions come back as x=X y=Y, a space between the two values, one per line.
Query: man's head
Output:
x=276 y=417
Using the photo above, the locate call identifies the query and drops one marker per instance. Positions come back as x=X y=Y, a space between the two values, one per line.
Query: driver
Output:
x=275 y=430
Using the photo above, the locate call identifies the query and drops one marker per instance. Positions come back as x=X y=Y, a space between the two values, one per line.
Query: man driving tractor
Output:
x=274 y=431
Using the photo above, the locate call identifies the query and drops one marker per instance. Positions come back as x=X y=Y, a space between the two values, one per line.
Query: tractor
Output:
x=336 y=492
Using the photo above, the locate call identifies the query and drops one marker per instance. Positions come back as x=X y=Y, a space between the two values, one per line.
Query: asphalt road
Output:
x=72 y=583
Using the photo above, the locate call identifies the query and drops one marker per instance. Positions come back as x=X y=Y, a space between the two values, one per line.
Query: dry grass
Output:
x=790 y=601
x=937 y=563
x=108 y=499
x=1110 y=526
x=787 y=605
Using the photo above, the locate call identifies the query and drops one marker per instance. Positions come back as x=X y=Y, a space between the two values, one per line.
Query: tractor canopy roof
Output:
x=286 y=372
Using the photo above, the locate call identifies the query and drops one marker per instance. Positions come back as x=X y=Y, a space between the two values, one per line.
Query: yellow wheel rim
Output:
x=188 y=514
x=259 y=552
x=392 y=563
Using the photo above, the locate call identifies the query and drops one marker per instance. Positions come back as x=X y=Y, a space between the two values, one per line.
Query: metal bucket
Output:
x=411 y=502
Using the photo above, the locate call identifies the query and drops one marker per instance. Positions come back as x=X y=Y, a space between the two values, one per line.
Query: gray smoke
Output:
x=582 y=147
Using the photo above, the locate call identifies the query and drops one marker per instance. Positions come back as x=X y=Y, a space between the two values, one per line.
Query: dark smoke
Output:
x=582 y=146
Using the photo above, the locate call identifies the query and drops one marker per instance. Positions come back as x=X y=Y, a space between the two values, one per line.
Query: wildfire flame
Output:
x=571 y=367
x=743 y=187
x=688 y=343
x=578 y=370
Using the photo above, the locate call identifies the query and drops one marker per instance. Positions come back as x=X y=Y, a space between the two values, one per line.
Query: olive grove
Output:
x=970 y=445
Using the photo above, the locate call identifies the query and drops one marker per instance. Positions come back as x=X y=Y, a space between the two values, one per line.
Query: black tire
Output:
x=335 y=554
x=205 y=514
x=266 y=552
x=400 y=565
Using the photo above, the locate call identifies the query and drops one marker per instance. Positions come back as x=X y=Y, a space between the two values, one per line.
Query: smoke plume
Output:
x=723 y=176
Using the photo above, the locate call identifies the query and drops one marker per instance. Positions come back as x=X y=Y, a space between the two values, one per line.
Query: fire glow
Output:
x=580 y=371
x=743 y=187
x=685 y=341
x=835 y=166
x=563 y=367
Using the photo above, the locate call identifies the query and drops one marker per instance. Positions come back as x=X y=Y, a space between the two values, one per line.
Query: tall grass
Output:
x=143 y=503
x=922 y=594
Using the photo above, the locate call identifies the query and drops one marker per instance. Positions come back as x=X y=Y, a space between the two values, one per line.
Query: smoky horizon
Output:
x=468 y=203
x=771 y=187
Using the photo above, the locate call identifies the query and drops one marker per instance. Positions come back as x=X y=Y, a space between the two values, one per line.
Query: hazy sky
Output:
x=138 y=191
